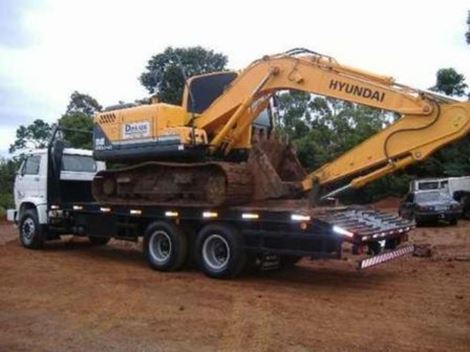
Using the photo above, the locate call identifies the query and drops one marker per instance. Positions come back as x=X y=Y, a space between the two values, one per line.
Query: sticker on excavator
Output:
x=385 y=257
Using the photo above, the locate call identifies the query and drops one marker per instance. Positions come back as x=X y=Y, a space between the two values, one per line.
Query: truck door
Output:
x=28 y=180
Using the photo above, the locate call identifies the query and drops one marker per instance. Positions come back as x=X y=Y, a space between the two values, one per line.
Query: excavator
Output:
x=214 y=151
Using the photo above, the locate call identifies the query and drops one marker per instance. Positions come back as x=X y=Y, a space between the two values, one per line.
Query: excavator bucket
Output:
x=275 y=168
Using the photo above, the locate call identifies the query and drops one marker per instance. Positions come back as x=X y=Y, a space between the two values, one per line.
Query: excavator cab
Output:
x=202 y=90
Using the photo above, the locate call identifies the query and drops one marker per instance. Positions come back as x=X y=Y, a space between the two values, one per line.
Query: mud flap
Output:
x=385 y=257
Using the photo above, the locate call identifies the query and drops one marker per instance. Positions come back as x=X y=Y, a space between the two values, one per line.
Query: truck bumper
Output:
x=434 y=217
x=385 y=257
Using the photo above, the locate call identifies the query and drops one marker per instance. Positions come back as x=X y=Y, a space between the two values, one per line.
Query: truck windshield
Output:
x=78 y=163
x=428 y=185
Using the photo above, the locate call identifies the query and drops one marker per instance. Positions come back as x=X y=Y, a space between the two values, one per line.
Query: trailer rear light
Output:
x=77 y=207
x=55 y=207
x=209 y=214
x=250 y=216
x=105 y=210
x=298 y=217
x=171 y=214
x=341 y=231
x=135 y=212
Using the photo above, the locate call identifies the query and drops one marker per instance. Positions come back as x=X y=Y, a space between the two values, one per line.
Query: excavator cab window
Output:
x=206 y=88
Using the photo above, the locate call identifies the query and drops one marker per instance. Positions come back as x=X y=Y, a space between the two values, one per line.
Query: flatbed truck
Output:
x=53 y=198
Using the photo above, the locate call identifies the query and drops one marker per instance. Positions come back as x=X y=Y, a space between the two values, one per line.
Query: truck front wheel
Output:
x=165 y=246
x=220 y=251
x=30 y=230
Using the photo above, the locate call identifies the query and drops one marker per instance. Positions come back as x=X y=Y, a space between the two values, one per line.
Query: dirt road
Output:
x=74 y=297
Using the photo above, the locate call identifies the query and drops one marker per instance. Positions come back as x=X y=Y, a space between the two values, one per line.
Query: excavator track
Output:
x=161 y=183
x=272 y=171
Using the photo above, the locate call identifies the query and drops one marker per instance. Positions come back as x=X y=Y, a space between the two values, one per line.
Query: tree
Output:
x=8 y=168
x=163 y=74
x=35 y=135
x=77 y=121
x=79 y=117
x=450 y=82
x=83 y=103
x=453 y=160
x=467 y=35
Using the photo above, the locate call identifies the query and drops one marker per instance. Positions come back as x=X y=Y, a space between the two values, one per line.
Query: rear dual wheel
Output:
x=220 y=251
x=165 y=246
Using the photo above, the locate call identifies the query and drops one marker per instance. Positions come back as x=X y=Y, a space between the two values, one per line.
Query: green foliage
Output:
x=35 y=135
x=453 y=160
x=449 y=82
x=79 y=117
x=324 y=128
x=77 y=121
x=83 y=103
x=467 y=35
x=163 y=74
x=8 y=169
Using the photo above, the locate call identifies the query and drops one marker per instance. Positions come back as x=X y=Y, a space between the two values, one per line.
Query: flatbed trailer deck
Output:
x=268 y=234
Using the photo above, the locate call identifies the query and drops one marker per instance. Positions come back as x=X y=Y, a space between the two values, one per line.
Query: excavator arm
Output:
x=427 y=121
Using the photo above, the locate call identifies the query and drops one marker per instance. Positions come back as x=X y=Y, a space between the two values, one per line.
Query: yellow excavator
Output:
x=219 y=147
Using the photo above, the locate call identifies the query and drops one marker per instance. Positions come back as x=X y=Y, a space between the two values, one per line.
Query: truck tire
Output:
x=99 y=241
x=30 y=230
x=220 y=252
x=165 y=246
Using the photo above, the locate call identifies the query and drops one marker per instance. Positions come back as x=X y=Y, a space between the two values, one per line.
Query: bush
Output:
x=6 y=201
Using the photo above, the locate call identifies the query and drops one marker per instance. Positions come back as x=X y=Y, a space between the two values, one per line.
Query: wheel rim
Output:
x=160 y=246
x=216 y=252
x=28 y=229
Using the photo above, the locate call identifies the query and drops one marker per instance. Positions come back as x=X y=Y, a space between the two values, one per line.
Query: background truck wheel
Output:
x=30 y=230
x=220 y=252
x=165 y=246
x=98 y=241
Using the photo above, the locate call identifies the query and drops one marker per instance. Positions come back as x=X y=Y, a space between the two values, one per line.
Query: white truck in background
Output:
x=457 y=187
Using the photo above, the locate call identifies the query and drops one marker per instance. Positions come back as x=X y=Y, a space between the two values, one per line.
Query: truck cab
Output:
x=33 y=189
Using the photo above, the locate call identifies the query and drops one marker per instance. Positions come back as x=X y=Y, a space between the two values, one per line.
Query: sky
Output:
x=50 y=48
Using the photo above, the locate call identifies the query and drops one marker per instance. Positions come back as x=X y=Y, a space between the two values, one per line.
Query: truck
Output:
x=203 y=181
x=53 y=198
x=456 y=187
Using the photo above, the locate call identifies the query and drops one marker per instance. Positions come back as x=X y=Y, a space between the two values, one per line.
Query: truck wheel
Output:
x=30 y=230
x=98 y=241
x=220 y=251
x=165 y=246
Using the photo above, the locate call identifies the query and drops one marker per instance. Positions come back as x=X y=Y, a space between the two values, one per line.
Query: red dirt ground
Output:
x=74 y=297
